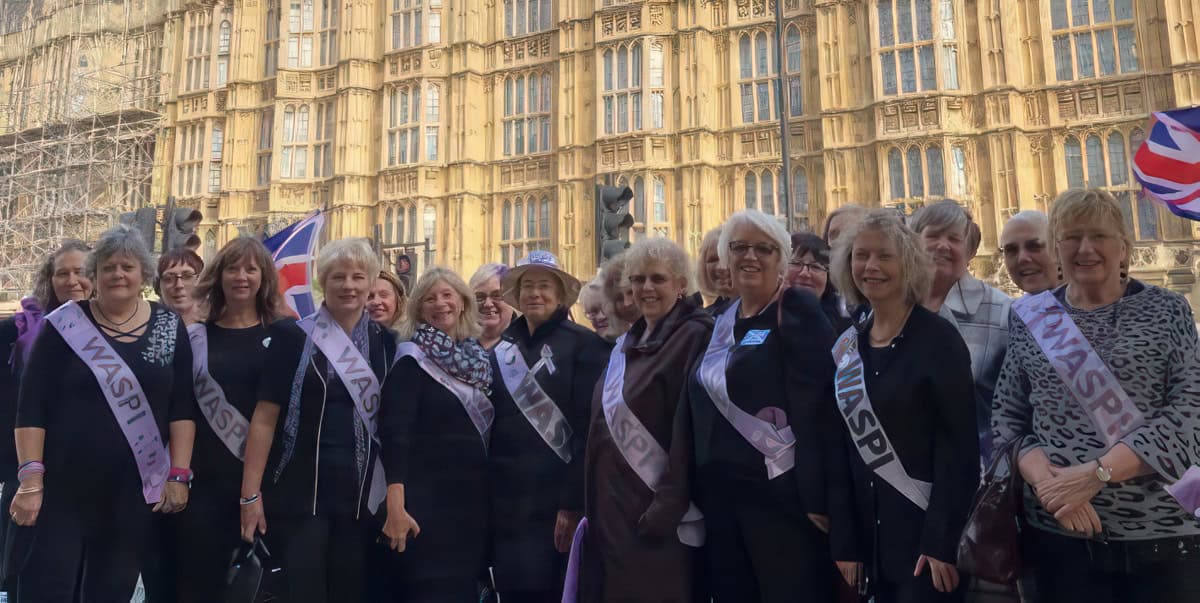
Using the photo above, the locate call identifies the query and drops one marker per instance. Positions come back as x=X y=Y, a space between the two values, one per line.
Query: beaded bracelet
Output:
x=29 y=469
x=249 y=500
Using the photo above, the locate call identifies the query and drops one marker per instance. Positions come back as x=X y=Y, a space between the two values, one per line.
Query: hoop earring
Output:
x=1060 y=273
x=1124 y=273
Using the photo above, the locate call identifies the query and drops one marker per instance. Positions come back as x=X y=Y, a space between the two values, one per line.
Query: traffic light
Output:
x=144 y=220
x=179 y=229
x=613 y=220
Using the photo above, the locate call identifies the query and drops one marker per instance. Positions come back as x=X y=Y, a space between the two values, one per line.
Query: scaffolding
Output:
x=81 y=97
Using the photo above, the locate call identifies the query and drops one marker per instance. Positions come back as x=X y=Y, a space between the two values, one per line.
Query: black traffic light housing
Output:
x=145 y=221
x=613 y=221
x=179 y=227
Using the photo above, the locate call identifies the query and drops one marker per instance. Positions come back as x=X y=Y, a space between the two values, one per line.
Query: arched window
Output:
x=506 y=221
x=958 y=158
x=800 y=194
x=660 y=199
x=388 y=223
x=795 y=74
x=916 y=178
x=608 y=70
x=760 y=54
x=545 y=219
x=635 y=65
x=896 y=173
x=1093 y=38
x=768 y=192
x=1118 y=167
x=224 y=35
x=793 y=50
x=745 y=63
x=639 y=200
x=937 y=178
x=289 y=123
x=1095 y=162
x=302 y=124
x=518 y=220
x=1074 y=157
x=399 y=225
x=623 y=67
x=751 y=190
x=531 y=219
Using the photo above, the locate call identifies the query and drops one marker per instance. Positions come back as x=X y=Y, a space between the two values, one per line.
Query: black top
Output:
x=718 y=306
x=322 y=475
x=431 y=446
x=530 y=483
x=8 y=399
x=235 y=360
x=790 y=369
x=923 y=394
x=85 y=448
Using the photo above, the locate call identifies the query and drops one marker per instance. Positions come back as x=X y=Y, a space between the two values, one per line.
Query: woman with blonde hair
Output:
x=904 y=389
x=229 y=352
x=618 y=305
x=435 y=431
x=713 y=275
x=323 y=375
x=387 y=300
x=636 y=469
x=593 y=302
x=1100 y=393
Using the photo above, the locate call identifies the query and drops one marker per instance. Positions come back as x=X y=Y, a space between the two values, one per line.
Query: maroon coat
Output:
x=632 y=551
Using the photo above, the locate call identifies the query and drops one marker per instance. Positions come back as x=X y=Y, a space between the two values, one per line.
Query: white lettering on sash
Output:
x=533 y=401
x=230 y=426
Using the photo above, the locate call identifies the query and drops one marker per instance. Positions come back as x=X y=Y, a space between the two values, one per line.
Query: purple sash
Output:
x=477 y=405
x=637 y=445
x=866 y=430
x=124 y=394
x=777 y=445
x=224 y=418
x=1086 y=376
x=534 y=403
x=360 y=381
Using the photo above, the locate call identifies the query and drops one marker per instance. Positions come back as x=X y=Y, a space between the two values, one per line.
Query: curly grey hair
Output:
x=916 y=269
x=120 y=239
x=660 y=249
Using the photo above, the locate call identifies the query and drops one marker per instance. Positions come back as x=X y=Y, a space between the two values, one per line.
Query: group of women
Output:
x=437 y=442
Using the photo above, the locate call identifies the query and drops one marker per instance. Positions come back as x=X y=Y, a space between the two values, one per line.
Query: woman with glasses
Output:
x=761 y=401
x=592 y=300
x=809 y=269
x=175 y=283
x=494 y=313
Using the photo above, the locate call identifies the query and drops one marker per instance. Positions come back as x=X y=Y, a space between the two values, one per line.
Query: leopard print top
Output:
x=1148 y=339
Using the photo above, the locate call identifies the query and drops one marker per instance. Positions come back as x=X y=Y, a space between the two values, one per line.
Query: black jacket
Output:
x=529 y=482
x=296 y=491
x=431 y=446
x=923 y=394
x=8 y=400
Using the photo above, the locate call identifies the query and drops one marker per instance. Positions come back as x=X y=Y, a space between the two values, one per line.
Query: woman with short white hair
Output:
x=435 y=429
x=323 y=375
x=104 y=434
x=494 y=313
x=760 y=401
x=904 y=392
x=592 y=300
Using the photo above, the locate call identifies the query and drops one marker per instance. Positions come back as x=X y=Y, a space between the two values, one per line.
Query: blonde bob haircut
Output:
x=1080 y=206
x=916 y=269
x=707 y=246
x=768 y=225
x=357 y=252
x=467 y=324
x=659 y=249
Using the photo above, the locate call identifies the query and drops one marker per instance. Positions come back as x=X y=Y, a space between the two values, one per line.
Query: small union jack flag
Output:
x=1168 y=162
x=293 y=250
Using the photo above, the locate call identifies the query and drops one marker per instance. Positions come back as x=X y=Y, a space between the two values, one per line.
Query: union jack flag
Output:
x=293 y=250
x=1168 y=162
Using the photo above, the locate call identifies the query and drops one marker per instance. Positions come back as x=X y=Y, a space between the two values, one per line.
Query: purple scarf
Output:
x=29 y=323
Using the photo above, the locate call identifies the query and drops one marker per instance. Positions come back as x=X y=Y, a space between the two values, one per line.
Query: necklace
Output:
x=769 y=300
x=100 y=311
x=886 y=340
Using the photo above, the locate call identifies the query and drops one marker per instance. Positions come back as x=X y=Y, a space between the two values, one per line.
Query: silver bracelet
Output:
x=249 y=500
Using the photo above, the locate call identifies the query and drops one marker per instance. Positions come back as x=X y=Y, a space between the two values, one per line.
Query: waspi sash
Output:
x=477 y=405
x=637 y=445
x=360 y=381
x=866 y=430
x=533 y=401
x=777 y=445
x=1085 y=375
x=124 y=395
x=224 y=418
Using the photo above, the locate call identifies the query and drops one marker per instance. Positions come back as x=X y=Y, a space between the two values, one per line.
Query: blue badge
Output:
x=755 y=337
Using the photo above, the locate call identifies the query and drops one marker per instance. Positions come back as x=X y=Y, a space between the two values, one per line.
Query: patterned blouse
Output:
x=1148 y=339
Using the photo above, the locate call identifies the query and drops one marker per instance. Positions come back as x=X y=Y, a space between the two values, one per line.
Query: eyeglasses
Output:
x=741 y=248
x=1030 y=246
x=637 y=280
x=496 y=297
x=813 y=267
x=183 y=277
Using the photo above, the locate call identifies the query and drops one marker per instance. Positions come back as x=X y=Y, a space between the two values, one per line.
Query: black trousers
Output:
x=759 y=549
x=205 y=536
x=1070 y=570
x=89 y=548
x=324 y=557
x=918 y=589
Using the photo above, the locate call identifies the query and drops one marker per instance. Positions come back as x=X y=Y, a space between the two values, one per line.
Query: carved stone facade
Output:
x=483 y=126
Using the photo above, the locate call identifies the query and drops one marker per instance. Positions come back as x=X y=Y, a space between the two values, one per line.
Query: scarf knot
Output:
x=465 y=360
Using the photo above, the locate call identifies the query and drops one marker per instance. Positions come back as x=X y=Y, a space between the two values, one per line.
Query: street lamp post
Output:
x=780 y=105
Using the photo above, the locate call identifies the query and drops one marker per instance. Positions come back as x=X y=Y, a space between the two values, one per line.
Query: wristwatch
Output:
x=1104 y=474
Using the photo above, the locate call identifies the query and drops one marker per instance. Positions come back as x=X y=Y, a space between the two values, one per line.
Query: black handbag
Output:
x=990 y=547
x=243 y=580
